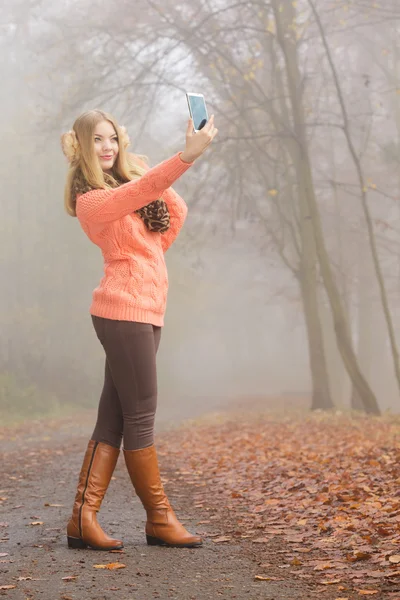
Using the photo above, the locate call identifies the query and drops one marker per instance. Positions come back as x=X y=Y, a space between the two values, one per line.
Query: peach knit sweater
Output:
x=135 y=282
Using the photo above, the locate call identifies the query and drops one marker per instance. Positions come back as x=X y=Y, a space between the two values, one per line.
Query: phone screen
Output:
x=198 y=110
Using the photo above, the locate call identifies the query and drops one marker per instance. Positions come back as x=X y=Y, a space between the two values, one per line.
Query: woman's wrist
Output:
x=185 y=158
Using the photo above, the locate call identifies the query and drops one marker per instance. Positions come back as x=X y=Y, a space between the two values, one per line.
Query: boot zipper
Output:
x=84 y=491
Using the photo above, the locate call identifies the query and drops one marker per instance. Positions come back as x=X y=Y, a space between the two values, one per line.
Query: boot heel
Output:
x=153 y=541
x=76 y=543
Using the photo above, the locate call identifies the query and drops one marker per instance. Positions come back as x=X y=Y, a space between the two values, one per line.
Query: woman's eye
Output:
x=97 y=139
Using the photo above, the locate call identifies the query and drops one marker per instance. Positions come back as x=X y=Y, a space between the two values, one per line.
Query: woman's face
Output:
x=106 y=145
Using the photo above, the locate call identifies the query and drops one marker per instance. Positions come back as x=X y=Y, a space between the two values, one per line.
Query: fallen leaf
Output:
x=223 y=538
x=395 y=558
x=367 y=592
x=330 y=581
x=323 y=567
x=7 y=587
x=262 y=578
x=383 y=531
x=3 y=524
x=36 y=523
x=358 y=555
x=261 y=540
x=24 y=578
x=3 y=553
x=69 y=577
x=54 y=505
x=295 y=538
x=110 y=566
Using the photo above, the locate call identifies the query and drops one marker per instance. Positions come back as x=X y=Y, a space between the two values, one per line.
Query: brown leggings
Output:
x=128 y=401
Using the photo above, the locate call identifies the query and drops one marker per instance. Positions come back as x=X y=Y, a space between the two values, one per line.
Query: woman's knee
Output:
x=108 y=435
x=139 y=430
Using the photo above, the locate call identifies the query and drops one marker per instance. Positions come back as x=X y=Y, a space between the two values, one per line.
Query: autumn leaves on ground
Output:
x=317 y=496
x=310 y=496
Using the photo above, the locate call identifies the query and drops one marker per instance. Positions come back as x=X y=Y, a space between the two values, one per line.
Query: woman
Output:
x=131 y=212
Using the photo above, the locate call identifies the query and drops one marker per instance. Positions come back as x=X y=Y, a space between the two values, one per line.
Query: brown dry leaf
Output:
x=330 y=581
x=223 y=538
x=323 y=567
x=295 y=538
x=37 y=523
x=110 y=566
x=3 y=553
x=360 y=555
x=69 y=577
x=395 y=558
x=262 y=578
x=24 y=578
x=260 y=540
x=7 y=587
x=384 y=531
x=54 y=505
x=367 y=592
x=272 y=501
x=3 y=524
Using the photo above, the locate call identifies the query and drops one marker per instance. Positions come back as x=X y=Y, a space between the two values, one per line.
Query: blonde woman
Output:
x=132 y=213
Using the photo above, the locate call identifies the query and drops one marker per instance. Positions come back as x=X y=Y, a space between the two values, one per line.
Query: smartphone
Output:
x=197 y=110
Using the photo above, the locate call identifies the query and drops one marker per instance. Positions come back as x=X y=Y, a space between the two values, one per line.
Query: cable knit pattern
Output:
x=135 y=282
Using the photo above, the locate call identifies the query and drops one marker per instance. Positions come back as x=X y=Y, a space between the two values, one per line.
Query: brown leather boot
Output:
x=162 y=526
x=83 y=529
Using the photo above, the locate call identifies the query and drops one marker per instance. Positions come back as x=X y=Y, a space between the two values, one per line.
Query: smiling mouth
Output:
x=106 y=157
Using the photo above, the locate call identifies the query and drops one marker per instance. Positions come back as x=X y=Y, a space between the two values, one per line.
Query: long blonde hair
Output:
x=84 y=164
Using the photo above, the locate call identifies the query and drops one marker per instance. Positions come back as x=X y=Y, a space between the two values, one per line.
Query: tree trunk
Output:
x=339 y=382
x=321 y=396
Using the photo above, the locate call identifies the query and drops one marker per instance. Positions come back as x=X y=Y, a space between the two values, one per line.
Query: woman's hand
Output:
x=197 y=142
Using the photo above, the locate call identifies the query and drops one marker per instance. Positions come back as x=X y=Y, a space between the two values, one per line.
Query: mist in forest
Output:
x=285 y=280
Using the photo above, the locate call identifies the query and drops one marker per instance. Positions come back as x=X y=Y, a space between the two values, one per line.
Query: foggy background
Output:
x=306 y=97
